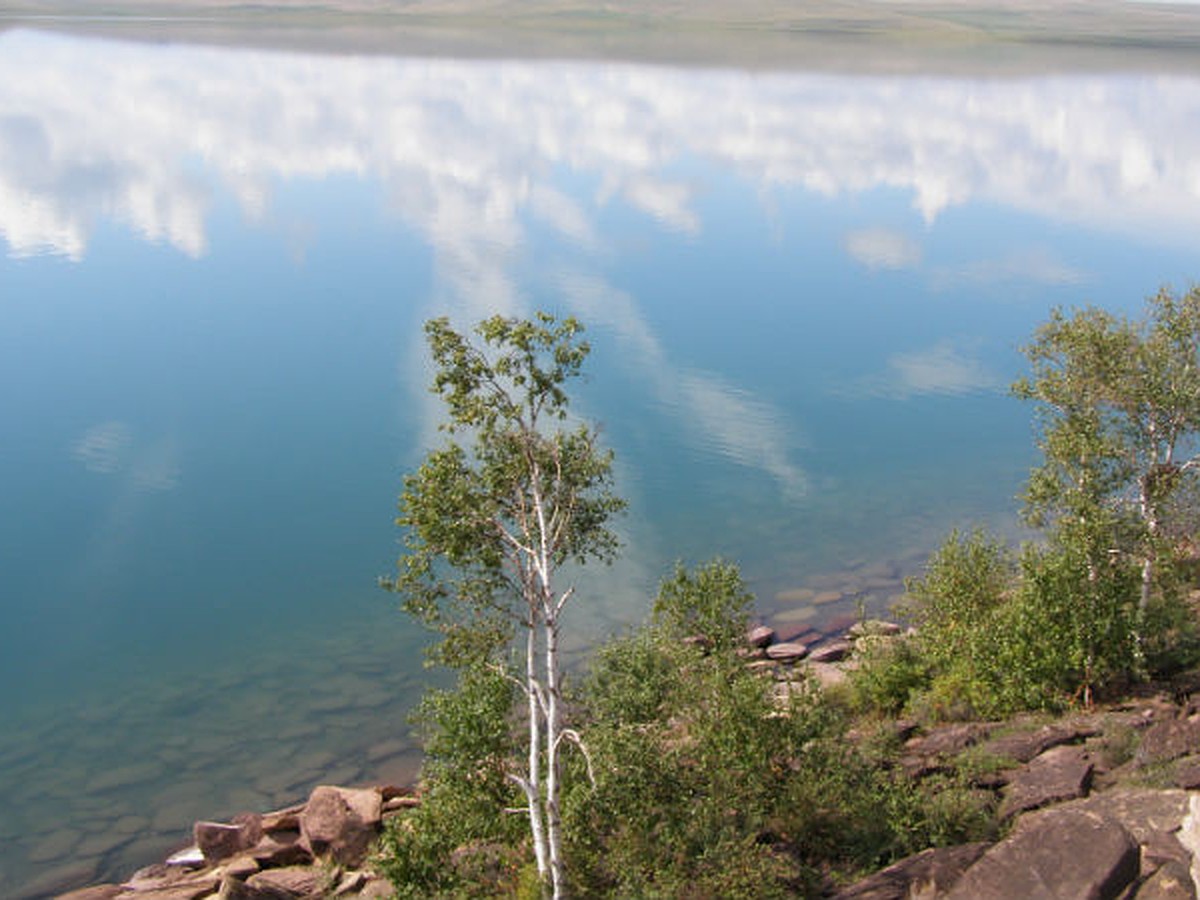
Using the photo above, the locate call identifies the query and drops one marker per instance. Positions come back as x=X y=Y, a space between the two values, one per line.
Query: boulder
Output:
x=1054 y=854
x=288 y=882
x=1169 y=739
x=1025 y=745
x=280 y=848
x=1143 y=812
x=218 y=841
x=789 y=651
x=925 y=874
x=834 y=651
x=760 y=636
x=341 y=823
x=1172 y=881
x=1061 y=773
x=96 y=892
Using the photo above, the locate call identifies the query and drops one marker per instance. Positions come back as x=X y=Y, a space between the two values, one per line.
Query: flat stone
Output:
x=191 y=888
x=1025 y=745
x=789 y=651
x=800 y=614
x=297 y=881
x=1171 y=881
x=825 y=597
x=828 y=675
x=1061 y=773
x=795 y=595
x=1169 y=739
x=925 y=874
x=1054 y=854
x=96 y=892
x=760 y=636
x=1143 y=812
x=834 y=651
x=280 y=848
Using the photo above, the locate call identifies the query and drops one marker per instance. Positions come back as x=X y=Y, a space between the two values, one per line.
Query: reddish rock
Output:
x=1052 y=855
x=834 y=651
x=218 y=841
x=96 y=892
x=191 y=887
x=1024 y=746
x=789 y=651
x=292 y=881
x=280 y=848
x=1062 y=773
x=1169 y=739
x=760 y=636
x=1172 y=881
x=341 y=823
x=925 y=874
x=287 y=819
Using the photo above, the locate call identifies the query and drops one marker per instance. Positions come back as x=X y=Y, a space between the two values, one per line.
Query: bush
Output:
x=459 y=841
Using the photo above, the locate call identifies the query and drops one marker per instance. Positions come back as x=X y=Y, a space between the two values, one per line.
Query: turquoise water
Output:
x=805 y=293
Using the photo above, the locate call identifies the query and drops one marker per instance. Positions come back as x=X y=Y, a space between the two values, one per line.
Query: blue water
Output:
x=805 y=293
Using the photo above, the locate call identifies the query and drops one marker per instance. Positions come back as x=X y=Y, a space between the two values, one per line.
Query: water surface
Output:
x=805 y=291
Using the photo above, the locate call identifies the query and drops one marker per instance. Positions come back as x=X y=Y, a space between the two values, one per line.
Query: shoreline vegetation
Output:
x=902 y=37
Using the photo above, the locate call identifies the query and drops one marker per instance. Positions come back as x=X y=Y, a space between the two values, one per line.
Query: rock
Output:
x=874 y=628
x=834 y=651
x=341 y=822
x=1062 y=773
x=952 y=739
x=1187 y=776
x=287 y=819
x=925 y=874
x=1167 y=740
x=218 y=841
x=1025 y=745
x=280 y=848
x=760 y=636
x=1172 y=881
x=1051 y=855
x=96 y=892
x=192 y=887
x=790 y=651
x=394 y=803
x=827 y=674
x=189 y=858
x=291 y=881
x=825 y=597
x=377 y=889
x=1143 y=812
x=241 y=867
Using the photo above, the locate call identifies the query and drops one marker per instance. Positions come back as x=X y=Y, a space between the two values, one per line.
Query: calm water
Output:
x=805 y=293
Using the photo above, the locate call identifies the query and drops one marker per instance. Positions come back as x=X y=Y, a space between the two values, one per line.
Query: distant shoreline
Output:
x=888 y=38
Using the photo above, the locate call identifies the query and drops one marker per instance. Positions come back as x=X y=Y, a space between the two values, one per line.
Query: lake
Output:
x=805 y=290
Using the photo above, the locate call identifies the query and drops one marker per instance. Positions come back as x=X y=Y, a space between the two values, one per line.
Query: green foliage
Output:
x=459 y=842
x=890 y=671
x=710 y=785
x=525 y=492
x=1118 y=403
x=713 y=603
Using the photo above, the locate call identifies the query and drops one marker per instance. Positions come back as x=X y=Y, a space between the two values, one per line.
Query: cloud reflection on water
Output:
x=470 y=152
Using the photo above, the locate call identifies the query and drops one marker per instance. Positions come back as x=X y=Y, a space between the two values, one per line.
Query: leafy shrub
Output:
x=459 y=841
x=889 y=672
x=713 y=602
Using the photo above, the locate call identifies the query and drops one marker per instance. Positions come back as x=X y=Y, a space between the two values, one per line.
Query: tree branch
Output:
x=570 y=734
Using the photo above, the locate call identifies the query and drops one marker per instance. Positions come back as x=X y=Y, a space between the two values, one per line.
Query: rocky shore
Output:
x=1103 y=804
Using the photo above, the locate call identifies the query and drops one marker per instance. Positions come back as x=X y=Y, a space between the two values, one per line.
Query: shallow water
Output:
x=805 y=293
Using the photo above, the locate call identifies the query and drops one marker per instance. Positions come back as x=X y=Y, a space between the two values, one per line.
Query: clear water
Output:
x=805 y=293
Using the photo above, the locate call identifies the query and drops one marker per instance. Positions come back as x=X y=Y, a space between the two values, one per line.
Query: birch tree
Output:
x=489 y=521
x=1119 y=407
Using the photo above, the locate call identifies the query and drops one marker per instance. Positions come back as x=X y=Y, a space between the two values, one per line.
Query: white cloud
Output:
x=150 y=135
x=1035 y=265
x=941 y=370
x=880 y=248
x=103 y=448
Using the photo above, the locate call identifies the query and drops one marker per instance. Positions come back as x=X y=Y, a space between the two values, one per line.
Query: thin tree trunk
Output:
x=536 y=825
x=553 y=727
